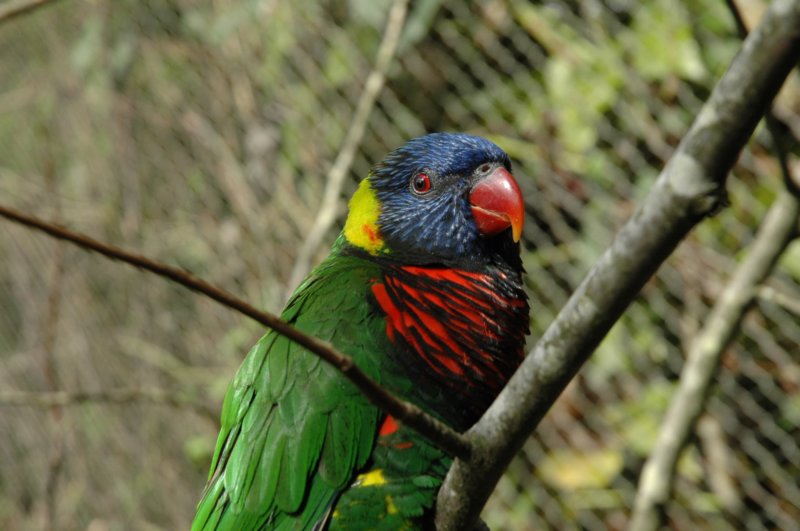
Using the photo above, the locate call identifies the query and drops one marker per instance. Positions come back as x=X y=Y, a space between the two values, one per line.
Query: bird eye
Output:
x=421 y=183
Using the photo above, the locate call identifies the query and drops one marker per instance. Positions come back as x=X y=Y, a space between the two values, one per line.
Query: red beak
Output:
x=497 y=204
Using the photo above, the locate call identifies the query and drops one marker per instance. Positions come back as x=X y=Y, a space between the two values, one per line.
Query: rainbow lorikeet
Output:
x=423 y=289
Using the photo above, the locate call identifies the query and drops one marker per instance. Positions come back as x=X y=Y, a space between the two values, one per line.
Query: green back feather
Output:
x=294 y=431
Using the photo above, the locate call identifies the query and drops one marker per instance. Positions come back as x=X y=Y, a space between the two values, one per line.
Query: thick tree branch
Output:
x=689 y=188
x=344 y=160
x=409 y=414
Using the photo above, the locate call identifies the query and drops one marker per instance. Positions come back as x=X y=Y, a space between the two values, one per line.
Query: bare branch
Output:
x=721 y=464
x=61 y=399
x=11 y=10
x=783 y=139
x=344 y=160
x=778 y=229
x=48 y=335
x=689 y=188
x=655 y=484
x=409 y=414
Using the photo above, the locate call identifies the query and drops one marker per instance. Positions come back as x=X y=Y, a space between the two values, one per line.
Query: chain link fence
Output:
x=203 y=133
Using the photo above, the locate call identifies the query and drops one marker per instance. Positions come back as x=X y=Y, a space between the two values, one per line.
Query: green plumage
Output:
x=413 y=474
x=293 y=429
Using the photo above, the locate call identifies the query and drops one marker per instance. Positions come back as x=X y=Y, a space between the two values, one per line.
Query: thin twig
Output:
x=690 y=187
x=48 y=335
x=655 y=484
x=409 y=414
x=344 y=160
x=11 y=10
x=62 y=399
x=721 y=465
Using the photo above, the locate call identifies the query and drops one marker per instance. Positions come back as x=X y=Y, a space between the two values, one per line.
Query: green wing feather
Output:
x=294 y=431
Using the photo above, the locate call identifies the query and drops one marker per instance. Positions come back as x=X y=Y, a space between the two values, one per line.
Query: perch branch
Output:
x=344 y=160
x=409 y=414
x=690 y=187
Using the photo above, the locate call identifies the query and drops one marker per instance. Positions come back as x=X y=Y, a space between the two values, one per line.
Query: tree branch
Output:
x=721 y=461
x=410 y=415
x=61 y=399
x=778 y=229
x=783 y=139
x=655 y=484
x=11 y=10
x=690 y=187
x=344 y=160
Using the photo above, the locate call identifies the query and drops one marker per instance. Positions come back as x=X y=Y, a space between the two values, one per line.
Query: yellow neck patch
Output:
x=361 y=227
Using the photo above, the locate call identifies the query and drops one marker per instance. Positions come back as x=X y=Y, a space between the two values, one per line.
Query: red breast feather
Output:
x=465 y=330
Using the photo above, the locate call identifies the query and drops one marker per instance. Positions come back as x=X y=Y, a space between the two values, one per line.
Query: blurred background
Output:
x=202 y=133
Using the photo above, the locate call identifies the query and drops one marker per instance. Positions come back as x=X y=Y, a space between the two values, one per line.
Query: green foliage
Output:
x=658 y=23
x=570 y=470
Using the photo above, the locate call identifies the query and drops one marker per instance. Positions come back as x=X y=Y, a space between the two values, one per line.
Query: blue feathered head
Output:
x=441 y=198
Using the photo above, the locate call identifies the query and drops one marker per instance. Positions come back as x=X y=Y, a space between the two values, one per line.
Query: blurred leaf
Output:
x=199 y=449
x=341 y=60
x=790 y=260
x=230 y=20
x=612 y=355
x=87 y=50
x=569 y=470
x=790 y=412
x=420 y=17
x=662 y=42
x=370 y=12
x=690 y=465
x=583 y=81
x=639 y=419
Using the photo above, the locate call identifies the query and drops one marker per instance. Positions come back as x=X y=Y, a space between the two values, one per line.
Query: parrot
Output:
x=423 y=290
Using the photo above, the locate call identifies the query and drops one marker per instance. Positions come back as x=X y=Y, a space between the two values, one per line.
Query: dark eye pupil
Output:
x=422 y=183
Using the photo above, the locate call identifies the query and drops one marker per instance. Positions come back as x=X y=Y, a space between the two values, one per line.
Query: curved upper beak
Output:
x=497 y=204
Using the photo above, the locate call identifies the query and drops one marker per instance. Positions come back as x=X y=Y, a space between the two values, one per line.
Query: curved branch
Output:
x=689 y=188
x=344 y=160
x=412 y=416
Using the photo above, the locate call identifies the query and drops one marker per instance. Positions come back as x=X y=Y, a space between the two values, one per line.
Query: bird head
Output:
x=444 y=198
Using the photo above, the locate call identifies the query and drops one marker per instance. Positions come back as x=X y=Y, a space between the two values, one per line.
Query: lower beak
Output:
x=496 y=203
